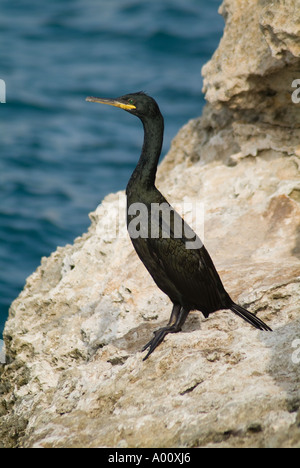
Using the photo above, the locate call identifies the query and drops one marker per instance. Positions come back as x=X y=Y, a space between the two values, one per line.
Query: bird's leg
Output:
x=177 y=319
x=174 y=314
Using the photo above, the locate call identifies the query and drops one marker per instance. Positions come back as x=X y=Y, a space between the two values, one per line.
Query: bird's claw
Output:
x=156 y=340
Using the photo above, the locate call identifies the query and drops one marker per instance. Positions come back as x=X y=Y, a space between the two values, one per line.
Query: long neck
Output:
x=145 y=171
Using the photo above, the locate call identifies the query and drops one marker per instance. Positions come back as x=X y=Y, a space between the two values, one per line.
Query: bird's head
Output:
x=139 y=104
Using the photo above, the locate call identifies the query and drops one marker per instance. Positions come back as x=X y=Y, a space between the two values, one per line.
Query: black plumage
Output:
x=187 y=275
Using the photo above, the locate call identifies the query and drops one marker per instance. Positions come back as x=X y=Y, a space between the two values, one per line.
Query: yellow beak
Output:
x=111 y=102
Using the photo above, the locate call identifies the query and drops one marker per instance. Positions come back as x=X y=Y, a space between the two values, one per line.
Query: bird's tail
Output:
x=249 y=317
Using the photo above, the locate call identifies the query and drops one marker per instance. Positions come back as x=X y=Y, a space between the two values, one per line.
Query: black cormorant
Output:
x=172 y=253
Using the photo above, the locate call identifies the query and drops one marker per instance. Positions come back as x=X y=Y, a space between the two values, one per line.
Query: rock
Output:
x=74 y=375
x=2 y=352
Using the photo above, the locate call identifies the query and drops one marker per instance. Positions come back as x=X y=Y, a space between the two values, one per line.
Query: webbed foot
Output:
x=177 y=319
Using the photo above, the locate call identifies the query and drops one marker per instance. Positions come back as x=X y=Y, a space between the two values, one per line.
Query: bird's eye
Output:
x=131 y=101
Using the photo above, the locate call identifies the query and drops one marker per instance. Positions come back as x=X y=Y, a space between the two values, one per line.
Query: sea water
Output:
x=59 y=155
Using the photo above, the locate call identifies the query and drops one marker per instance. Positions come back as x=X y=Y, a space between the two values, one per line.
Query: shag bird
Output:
x=172 y=253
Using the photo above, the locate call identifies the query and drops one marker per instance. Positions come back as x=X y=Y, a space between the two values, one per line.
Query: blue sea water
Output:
x=59 y=156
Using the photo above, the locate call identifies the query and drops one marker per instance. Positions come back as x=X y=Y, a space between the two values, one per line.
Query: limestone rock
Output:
x=74 y=375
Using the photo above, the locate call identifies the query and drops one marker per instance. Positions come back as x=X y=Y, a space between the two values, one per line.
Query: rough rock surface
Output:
x=74 y=375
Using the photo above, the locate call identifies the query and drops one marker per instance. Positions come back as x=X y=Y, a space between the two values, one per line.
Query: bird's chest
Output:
x=141 y=206
x=143 y=227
